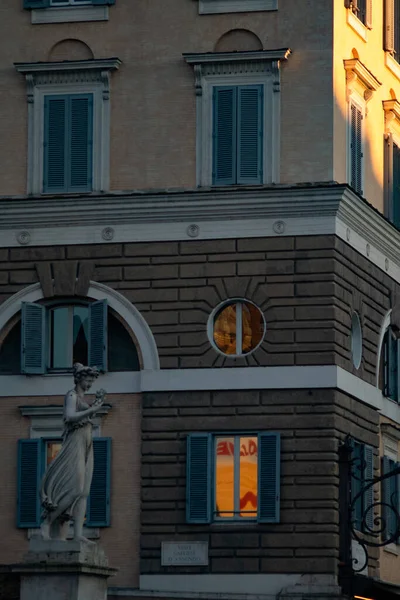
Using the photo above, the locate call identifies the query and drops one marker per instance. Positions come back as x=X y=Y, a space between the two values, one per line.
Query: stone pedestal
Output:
x=55 y=570
x=313 y=587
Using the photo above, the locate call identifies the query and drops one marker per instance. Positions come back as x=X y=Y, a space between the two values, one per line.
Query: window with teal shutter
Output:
x=237 y=135
x=362 y=472
x=68 y=143
x=98 y=508
x=391 y=370
x=233 y=477
x=36 y=4
x=268 y=477
x=369 y=493
x=28 y=482
x=98 y=335
x=33 y=338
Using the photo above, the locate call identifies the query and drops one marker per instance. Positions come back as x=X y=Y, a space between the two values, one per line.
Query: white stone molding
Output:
x=69 y=77
x=97 y=291
x=231 y=6
x=392 y=64
x=69 y=14
x=357 y=25
x=357 y=72
x=237 y=68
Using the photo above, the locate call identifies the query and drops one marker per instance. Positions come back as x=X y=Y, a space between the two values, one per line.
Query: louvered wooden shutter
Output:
x=368 y=14
x=268 y=477
x=28 y=481
x=388 y=176
x=98 y=335
x=389 y=26
x=33 y=338
x=98 y=507
x=368 y=456
x=250 y=134
x=389 y=497
x=357 y=458
x=36 y=3
x=80 y=124
x=224 y=135
x=395 y=185
x=356 y=155
x=198 y=478
x=55 y=143
x=392 y=366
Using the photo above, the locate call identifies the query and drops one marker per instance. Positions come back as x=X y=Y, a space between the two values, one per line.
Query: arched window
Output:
x=51 y=337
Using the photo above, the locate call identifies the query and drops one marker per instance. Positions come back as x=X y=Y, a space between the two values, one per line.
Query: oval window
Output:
x=238 y=328
x=356 y=340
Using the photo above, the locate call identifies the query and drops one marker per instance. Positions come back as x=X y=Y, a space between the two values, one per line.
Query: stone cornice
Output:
x=318 y=209
x=392 y=111
x=354 y=67
x=230 y=57
x=100 y=64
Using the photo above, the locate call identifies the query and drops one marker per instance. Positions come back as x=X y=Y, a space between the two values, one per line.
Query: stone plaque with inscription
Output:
x=184 y=554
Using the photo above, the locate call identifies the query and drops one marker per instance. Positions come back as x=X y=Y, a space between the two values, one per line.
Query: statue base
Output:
x=58 y=570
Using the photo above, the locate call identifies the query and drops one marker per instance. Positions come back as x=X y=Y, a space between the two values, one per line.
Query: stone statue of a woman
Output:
x=66 y=483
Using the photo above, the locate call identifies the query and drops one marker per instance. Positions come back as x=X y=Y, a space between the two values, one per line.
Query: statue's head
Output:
x=85 y=376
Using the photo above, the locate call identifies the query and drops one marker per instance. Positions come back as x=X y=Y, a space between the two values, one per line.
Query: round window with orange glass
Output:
x=238 y=328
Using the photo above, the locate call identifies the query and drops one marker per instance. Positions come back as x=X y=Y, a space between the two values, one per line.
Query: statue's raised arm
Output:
x=66 y=483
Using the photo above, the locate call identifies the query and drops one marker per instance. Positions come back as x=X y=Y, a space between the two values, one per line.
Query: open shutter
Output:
x=198 y=478
x=357 y=458
x=224 y=135
x=368 y=463
x=368 y=14
x=98 y=507
x=269 y=477
x=33 y=341
x=389 y=497
x=80 y=142
x=388 y=176
x=356 y=148
x=36 y=3
x=55 y=143
x=392 y=365
x=98 y=335
x=250 y=134
x=389 y=26
x=28 y=478
x=396 y=185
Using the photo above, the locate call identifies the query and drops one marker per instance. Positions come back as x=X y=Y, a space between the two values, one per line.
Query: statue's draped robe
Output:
x=69 y=475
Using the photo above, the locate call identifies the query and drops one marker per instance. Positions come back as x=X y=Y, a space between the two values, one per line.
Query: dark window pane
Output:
x=80 y=334
x=122 y=354
x=10 y=352
x=60 y=338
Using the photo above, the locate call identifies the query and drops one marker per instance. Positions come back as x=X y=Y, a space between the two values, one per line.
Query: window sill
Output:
x=91 y=533
x=70 y=14
x=207 y=7
x=392 y=65
x=357 y=25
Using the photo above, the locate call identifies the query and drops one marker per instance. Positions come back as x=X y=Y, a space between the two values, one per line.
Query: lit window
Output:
x=52 y=449
x=236 y=477
x=238 y=328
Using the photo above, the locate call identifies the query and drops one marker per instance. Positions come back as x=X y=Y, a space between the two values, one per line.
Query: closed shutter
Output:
x=268 y=477
x=224 y=135
x=356 y=155
x=389 y=26
x=68 y=143
x=36 y=3
x=98 y=507
x=198 y=478
x=98 y=335
x=368 y=453
x=250 y=134
x=33 y=338
x=80 y=142
x=28 y=482
x=55 y=143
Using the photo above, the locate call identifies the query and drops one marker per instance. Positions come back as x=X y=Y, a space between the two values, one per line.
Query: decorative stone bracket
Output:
x=392 y=114
x=64 y=278
x=357 y=73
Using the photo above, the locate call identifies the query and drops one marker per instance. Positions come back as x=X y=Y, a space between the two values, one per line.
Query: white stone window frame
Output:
x=231 y=6
x=69 y=14
x=47 y=423
x=237 y=68
x=392 y=128
x=357 y=101
x=70 y=77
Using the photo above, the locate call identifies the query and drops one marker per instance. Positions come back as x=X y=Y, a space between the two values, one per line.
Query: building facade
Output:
x=201 y=198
